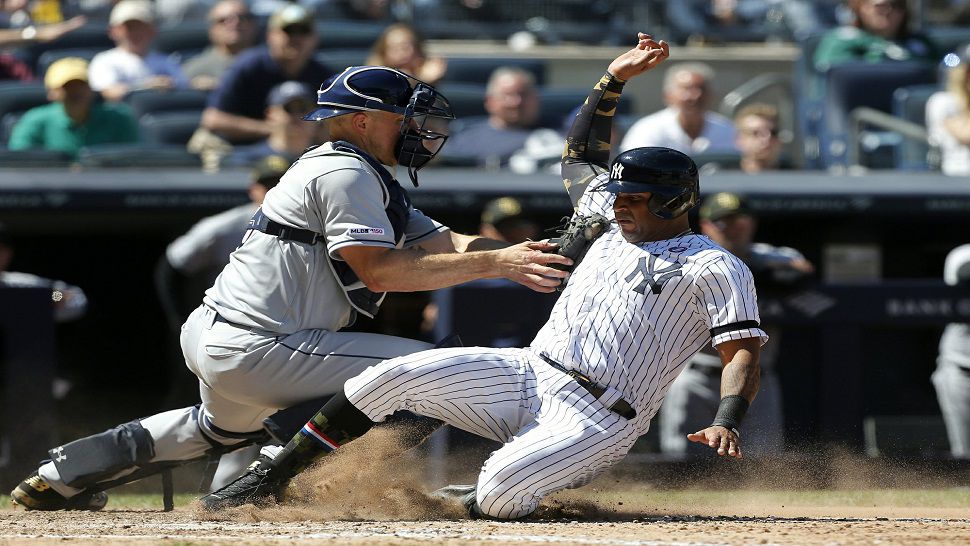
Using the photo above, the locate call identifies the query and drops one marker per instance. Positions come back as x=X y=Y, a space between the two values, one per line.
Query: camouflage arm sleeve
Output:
x=587 y=152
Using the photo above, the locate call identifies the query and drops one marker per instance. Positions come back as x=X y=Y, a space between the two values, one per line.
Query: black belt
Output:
x=260 y=222
x=621 y=407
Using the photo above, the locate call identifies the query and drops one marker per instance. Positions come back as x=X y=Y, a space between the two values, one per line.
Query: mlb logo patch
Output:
x=366 y=231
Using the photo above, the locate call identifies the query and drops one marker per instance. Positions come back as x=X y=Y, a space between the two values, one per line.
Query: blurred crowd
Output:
x=225 y=83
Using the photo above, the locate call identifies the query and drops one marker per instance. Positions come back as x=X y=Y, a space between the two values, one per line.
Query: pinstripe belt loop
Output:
x=621 y=407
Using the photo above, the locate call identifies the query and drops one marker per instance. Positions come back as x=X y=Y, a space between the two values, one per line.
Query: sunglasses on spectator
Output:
x=298 y=30
x=241 y=17
x=892 y=4
x=761 y=132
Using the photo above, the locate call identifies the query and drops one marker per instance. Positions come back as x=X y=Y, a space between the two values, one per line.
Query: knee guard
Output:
x=85 y=462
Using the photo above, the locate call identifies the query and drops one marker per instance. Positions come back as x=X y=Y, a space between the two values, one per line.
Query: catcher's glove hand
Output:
x=576 y=235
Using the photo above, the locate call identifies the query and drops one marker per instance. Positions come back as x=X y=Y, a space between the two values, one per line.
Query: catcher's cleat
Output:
x=34 y=493
x=261 y=484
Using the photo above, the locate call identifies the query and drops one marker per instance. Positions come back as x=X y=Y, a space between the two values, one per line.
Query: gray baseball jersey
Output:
x=952 y=375
x=266 y=336
x=286 y=288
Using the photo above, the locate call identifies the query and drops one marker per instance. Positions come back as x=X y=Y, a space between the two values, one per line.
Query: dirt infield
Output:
x=366 y=494
x=682 y=525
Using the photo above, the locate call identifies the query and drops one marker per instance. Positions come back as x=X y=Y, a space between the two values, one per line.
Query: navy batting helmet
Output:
x=667 y=174
x=370 y=88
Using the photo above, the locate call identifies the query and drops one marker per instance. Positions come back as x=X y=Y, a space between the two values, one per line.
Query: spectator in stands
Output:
x=12 y=68
x=74 y=118
x=512 y=103
x=70 y=302
x=236 y=110
x=401 y=47
x=30 y=34
x=685 y=124
x=232 y=28
x=948 y=117
x=729 y=222
x=504 y=219
x=951 y=379
x=132 y=64
x=291 y=135
x=880 y=32
x=757 y=138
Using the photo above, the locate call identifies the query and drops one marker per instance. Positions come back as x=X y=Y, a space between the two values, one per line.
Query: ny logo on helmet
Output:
x=617 y=171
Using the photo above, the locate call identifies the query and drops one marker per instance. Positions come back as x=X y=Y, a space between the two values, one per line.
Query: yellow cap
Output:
x=64 y=70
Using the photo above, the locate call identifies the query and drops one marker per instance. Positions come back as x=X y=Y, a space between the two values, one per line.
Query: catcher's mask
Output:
x=368 y=88
x=670 y=176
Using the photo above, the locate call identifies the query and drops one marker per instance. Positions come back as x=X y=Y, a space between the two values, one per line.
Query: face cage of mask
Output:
x=418 y=144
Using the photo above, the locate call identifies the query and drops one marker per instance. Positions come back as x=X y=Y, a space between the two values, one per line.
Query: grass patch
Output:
x=129 y=501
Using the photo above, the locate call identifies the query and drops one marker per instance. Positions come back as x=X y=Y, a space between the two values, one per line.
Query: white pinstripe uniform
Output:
x=630 y=318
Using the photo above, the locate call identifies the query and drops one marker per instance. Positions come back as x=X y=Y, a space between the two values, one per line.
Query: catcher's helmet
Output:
x=668 y=174
x=369 y=88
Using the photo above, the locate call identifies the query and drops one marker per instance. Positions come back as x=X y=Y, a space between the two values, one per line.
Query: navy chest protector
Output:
x=397 y=206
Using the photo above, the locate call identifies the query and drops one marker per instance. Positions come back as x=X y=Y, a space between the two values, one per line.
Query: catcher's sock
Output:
x=337 y=423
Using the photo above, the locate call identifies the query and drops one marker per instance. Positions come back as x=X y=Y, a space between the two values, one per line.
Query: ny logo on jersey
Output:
x=617 y=171
x=652 y=277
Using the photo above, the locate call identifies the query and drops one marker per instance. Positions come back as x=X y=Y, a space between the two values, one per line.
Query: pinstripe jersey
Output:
x=633 y=314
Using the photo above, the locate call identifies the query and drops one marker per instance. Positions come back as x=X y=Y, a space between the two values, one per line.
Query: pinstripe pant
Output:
x=556 y=434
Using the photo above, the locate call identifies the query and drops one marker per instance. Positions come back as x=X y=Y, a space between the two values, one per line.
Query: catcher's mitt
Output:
x=576 y=235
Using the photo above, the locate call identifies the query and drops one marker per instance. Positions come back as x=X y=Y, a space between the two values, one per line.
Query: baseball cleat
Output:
x=259 y=485
x=454 y=492
x=34 y=493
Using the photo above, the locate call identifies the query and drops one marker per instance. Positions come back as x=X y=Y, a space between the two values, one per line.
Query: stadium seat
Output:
x=18 y=97
x=187 y=38
x=909 y=103
x=146 y=101
x=48 y=57
x=175 y=127
x=33 y=158
x=137 y=156
x=348 y=34
x=478 y=69
x=91 y=36
x=853 y=85
x=948 y=39
x=339 y=59
x=7 y=123
x=467 y=99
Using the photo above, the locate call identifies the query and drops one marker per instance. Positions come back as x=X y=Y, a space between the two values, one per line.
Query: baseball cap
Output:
x=501 y=209
x=290 y=90
x=293 y=14
x=721 y=205
x=64 y=70
x=269 y=170
x=132 y=10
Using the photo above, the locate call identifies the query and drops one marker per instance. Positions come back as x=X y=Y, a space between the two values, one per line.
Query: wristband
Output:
x=730 y=412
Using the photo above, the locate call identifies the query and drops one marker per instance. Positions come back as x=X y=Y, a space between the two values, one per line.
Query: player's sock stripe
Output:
x=310 y=430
